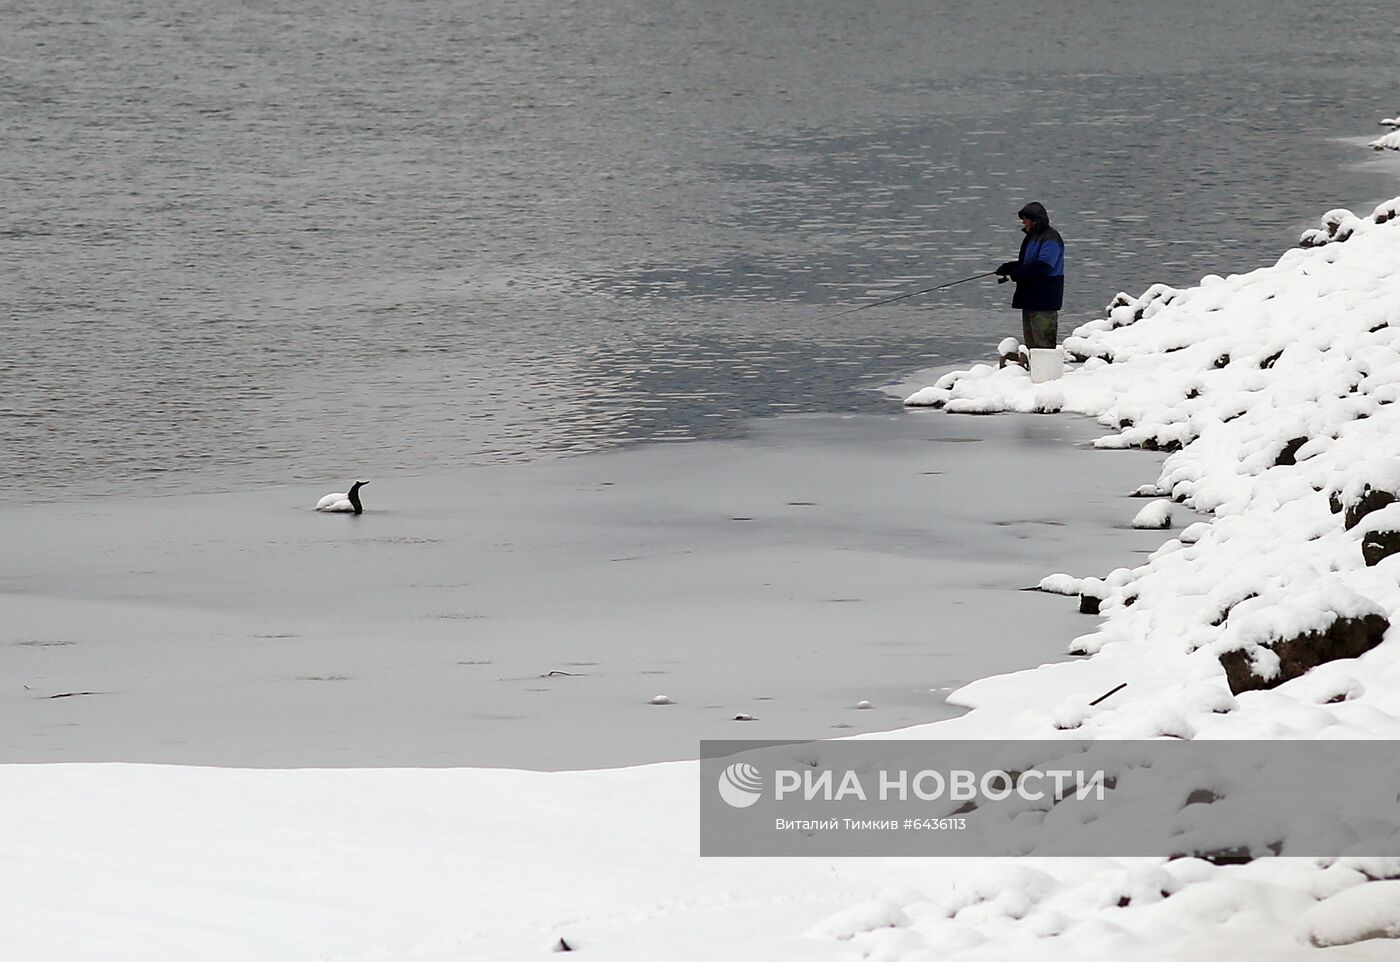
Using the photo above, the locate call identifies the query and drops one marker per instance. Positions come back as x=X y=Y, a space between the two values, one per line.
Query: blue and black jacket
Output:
x=1039 y=271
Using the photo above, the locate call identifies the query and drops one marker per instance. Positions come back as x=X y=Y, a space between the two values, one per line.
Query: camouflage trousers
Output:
x=1040 y=328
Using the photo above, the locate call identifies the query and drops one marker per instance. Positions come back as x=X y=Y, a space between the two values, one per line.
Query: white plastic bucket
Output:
x=1047 y=364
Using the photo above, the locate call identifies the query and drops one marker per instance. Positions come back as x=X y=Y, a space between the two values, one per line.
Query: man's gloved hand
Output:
x=1006 y=269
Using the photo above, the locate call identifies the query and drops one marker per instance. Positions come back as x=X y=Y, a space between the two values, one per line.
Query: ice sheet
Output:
x=822 y=562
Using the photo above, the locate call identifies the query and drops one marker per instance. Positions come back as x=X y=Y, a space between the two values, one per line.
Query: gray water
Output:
x=261 y=242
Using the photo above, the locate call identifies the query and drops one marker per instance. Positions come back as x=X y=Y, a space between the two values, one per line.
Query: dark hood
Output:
x=1036 y=212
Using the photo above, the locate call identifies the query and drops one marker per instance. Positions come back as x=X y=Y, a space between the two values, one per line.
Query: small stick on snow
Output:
x=1107 y=693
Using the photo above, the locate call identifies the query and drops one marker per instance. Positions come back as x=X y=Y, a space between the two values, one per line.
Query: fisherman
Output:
x=1039 y=273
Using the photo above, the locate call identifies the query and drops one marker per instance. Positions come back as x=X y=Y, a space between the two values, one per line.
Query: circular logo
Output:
x=740 y=785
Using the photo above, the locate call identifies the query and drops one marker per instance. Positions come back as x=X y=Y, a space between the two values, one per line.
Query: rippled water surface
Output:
x=260 y=241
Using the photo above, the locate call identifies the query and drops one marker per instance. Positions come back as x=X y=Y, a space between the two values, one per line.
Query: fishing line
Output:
x=926 y=290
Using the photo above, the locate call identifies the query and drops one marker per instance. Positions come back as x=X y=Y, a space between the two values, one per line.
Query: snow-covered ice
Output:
x=525 y=615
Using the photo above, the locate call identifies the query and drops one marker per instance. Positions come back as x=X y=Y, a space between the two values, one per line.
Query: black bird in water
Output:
x=343 y=503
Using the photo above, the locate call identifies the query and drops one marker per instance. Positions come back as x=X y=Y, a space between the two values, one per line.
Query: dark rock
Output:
x=1016 y=357
x=1345 y=638
x=1379 y=545
x=1370 y=500
x=1268 y=362
x=1089 y=604
x=1222 y=360
x=1233 y=856
x=1289 y=454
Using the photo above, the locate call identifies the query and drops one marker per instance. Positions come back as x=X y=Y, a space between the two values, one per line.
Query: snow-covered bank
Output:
x=1274 y=391
x=133 y=863
x=136 y=863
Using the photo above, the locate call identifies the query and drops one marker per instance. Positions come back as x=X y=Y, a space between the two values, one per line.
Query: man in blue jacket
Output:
x=1039 y=273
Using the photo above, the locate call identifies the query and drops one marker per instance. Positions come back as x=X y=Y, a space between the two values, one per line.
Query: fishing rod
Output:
x=926 y=290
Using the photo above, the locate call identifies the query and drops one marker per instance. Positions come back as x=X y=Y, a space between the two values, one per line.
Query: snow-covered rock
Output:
x=863 y=917
x=1356 y=914
x=1390 y=141
x=1060 y=584
x=1158 y=514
